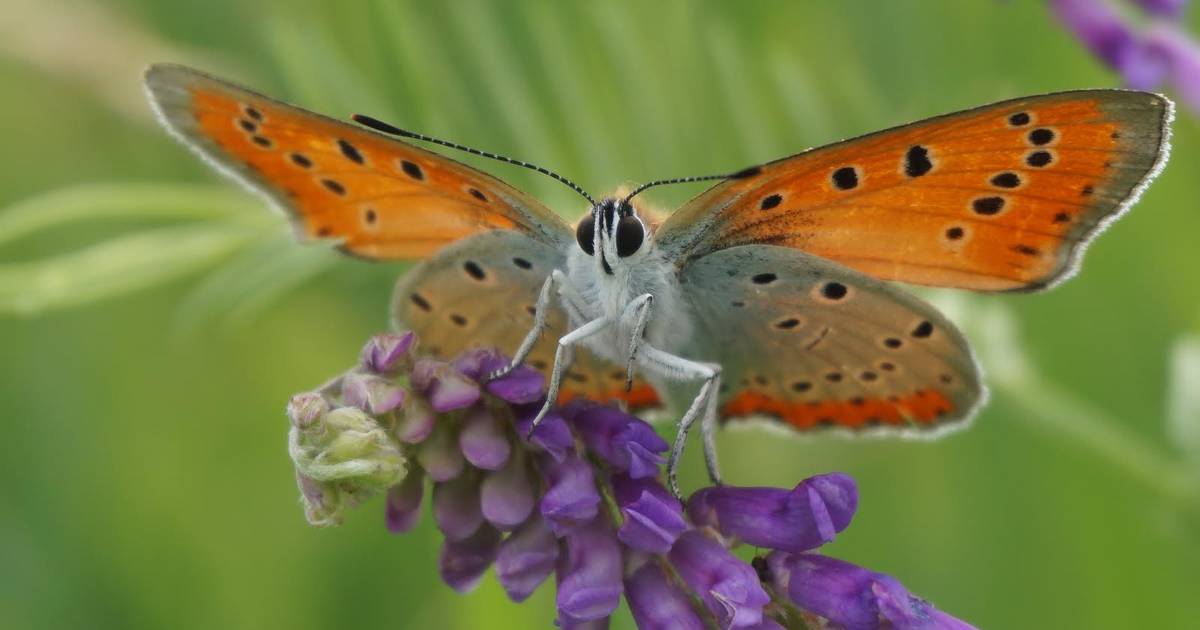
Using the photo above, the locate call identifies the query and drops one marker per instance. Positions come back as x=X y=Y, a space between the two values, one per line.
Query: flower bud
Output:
x=385 y=353
x=483 y=440
x=462 y=563
x=440 y=456
x=372 y=394
x=306 y=409
x=342 y=461
x=404 y=502
x=456 y=506
x=526 y=558
x=507 y=494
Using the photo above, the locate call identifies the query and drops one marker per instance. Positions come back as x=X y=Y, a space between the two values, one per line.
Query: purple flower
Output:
x=571 y=497
x=726 y=584
x=462 y=563
x=552 y=436
x=1145 y=58
x=604 y=523
x=416 y=423
x=507 y=494
x=482 y=439
x=653 y=517
x=625 y=442
x=440 y=456
x=384 y=353
x=1103 y=31
x=522 y=385
x=1163 y=8
x=1182 y=55
x=803 y=518
x=657 y=604
x=852 y=596
x=444 y=387
x=589 y=572
x=404 y=503
x=373 y=394
x=527 y=557
x=456 y=507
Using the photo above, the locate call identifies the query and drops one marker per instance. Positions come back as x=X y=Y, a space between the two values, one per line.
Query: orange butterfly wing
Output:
x=1001 y=197
x=380 y=197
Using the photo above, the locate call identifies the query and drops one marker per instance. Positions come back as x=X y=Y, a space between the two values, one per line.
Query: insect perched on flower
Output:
x=766 y=292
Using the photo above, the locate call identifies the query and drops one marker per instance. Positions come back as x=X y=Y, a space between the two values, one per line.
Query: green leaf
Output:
x=114 y=267
x=125 y=201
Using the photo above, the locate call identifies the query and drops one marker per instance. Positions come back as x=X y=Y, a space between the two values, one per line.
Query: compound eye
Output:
x=629 y=236
x=586 y=233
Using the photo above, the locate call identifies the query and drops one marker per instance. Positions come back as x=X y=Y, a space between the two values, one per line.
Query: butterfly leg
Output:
x=562 y=360
x=640 y=308
x=677 y=368
x=539 y=325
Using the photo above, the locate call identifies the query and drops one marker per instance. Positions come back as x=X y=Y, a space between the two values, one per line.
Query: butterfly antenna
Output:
x=383 y=127
x=746 y=172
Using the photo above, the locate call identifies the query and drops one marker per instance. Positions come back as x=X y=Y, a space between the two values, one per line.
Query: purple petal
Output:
x=526 y=558
x=507 y=495
x=571 y=497
x=477 y=363
x=804 y=518
x=404 y=502
x=565 y=622
x=373 y=394
x=384 y=353
x=483 y=440
x=416 y=423
x=440 y=456
x=461 y=564
x=589 y=572
x=657 y=604
x=456 y=507
x=1163 y=8
x=624 y=441
x=1182 y=55
x=444 y=386
x=728 y=586
x=305 y=410
x=653 y=518
x=552 y=435
x=522 y=385
x=1103 y=31
x=852 y=596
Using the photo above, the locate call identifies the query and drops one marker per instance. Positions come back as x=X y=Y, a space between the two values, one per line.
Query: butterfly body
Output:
x=766 y=296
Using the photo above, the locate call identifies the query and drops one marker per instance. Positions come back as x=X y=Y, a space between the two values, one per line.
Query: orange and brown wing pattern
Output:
x=814 y=344
x=483 y=291
x=380 y=197
x=1001 y=197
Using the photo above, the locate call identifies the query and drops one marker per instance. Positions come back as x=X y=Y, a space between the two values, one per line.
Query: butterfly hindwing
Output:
x=1001 y=197
x=482 y=291
x=380 y=197
x=815 y=344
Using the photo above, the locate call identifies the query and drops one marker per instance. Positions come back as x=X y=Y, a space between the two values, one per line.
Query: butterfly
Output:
x=768 y=295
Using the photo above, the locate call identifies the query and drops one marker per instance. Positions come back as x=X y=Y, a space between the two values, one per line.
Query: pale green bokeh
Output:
x=154 y=319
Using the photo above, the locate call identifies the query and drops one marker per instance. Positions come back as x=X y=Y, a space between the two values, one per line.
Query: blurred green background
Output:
x=154 y=319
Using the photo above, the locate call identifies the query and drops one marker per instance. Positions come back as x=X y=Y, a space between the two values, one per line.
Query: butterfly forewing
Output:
x=1001 y=197
x=482 y=292
x=815 y=344
x=380 y=197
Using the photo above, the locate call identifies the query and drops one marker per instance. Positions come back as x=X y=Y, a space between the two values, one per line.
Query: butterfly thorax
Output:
x=615 y=262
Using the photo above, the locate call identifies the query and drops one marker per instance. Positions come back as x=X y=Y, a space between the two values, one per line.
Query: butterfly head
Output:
x=615 y=231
